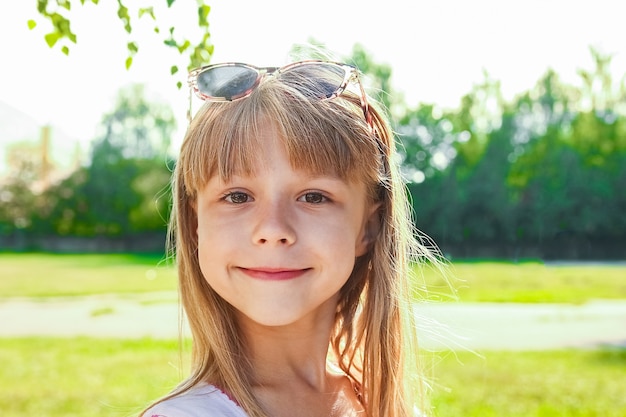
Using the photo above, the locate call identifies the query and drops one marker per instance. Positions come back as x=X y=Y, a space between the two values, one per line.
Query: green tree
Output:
x=540 y=115
x=17 y=198
x=599 y=90
x=125 y=188
x=452 y=156
x=486 y=212
x=479 y=114
x=136 y=128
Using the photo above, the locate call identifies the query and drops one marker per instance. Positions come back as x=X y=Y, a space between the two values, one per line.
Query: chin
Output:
x=272 y=319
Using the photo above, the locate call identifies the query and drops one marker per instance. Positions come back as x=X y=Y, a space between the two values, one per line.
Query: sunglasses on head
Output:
x=316 y=79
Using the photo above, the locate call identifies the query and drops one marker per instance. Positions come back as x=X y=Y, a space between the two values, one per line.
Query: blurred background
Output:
x=511 y=121
x=511 y=118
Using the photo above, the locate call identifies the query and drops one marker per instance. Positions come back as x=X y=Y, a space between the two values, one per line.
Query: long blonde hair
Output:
x=373 y=340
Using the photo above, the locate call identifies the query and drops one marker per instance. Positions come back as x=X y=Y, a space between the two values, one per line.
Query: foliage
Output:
x=137 y=128
x=16 y=196
x=198 y=51
x=542 y=176
x=123 y=191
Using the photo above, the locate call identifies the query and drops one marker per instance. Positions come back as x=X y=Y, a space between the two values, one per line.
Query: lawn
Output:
x=524 y=282
x=81 y=377
x=71 y=377
x=47 y=275
x=50 y=377
x=559 y=383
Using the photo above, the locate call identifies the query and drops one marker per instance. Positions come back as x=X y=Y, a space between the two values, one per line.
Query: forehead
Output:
x=266 y=145
x=235 y=138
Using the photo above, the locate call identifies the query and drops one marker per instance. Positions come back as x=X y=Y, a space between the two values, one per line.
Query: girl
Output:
x=293 y=240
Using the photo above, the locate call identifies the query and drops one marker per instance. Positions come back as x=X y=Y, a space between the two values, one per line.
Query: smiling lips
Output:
x=274 y=274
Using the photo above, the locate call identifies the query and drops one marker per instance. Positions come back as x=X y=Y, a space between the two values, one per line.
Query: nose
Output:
x=274 y=225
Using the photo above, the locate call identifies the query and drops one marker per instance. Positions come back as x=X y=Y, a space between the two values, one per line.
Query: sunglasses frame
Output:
x=351 y=73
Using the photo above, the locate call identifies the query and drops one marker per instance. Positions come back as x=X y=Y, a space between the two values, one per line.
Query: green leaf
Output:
x=147 y=10
x=42 y=6
x=184 y=46
x=31 y=24
x=170 y=2
x=179 y=85
x=52 y=38
x=203 y=14
x=59 y=22
x=170 y=42
x=65 y=50
x=173 y=69
x=122 y=13
x=129 y=62
x=132 y=47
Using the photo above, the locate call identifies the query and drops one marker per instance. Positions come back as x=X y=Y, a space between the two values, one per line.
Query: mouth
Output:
x=273 y=274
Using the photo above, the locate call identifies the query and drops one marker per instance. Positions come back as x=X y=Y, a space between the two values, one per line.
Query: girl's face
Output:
x=279 y=244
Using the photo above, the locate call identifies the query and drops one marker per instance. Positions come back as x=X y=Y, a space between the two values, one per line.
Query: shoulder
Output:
x=199 y=401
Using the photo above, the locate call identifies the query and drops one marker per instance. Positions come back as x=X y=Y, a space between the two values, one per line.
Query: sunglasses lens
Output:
x=316 y=79
x=228 y=82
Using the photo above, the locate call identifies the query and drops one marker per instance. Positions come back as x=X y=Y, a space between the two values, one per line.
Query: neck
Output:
x=290 y=354
x=290 y=368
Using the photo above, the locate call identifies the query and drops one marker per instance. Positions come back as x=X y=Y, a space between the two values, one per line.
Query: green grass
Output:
x=56 y=377
x=527 y=282
x=47 y=275
x=564 y=383
x=84 y=377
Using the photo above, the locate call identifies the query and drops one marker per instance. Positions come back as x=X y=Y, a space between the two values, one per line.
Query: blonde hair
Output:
x=373 y=340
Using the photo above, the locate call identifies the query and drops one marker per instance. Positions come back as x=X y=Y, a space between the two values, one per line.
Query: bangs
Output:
x=321 y=137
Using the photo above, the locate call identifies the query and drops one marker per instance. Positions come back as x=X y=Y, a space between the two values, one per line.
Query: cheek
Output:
x=212 y=259
x=211 y=242
x=338 y=241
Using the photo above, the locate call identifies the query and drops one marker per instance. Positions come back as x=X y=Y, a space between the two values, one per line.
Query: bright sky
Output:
x=437 y=49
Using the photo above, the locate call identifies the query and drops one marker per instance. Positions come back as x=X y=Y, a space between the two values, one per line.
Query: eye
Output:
x=313 y=198
x=237 y=197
